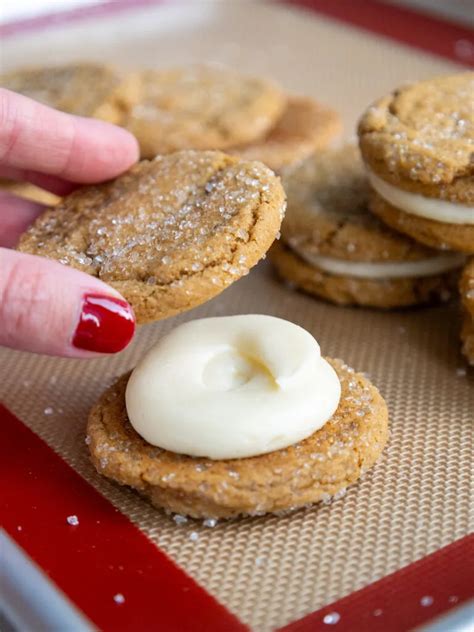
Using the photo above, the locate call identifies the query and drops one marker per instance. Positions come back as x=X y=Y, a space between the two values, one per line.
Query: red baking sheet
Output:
x=106 y=555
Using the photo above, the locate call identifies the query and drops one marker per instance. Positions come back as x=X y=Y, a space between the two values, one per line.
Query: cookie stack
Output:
x=395 y=228
x=333 y=247
x=417 y=144
x=418 y=147
x=196 y=107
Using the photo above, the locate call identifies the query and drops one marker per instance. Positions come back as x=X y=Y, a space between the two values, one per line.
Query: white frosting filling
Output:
x=385 y=269
x=231 y=387
x=416 y=204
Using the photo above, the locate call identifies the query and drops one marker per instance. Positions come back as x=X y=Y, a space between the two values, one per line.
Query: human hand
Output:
x=46 y=307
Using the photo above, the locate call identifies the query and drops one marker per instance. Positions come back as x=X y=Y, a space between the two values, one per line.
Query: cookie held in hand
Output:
x=169 y=234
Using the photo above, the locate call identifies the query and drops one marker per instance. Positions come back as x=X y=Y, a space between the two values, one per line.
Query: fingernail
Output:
x=106 y=324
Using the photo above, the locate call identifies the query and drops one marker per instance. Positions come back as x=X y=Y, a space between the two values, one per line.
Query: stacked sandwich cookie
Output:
x=417 y=144
x=418 y=147
x=334 y=248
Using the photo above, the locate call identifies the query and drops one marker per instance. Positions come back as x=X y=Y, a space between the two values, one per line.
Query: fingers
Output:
x=38 y=138
x=49 y=308
x=16 y=214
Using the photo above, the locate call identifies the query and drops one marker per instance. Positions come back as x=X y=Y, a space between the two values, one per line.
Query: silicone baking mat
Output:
x=268 y=571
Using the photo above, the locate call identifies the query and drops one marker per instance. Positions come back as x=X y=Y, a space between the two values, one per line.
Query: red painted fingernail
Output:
x=106 y=324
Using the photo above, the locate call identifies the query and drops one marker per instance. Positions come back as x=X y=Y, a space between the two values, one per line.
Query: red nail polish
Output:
x=106 y=324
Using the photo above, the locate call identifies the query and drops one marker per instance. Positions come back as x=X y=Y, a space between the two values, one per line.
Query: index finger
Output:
x=34 y=136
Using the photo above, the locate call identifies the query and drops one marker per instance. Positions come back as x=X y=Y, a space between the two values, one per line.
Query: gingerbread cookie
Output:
x=304 y=127
x=84 y=89
x=467 y=300
x=440 y=235
x=201 y=107
x=334 y=248
x=418 y=144
x=169 y=234
x=268 y=460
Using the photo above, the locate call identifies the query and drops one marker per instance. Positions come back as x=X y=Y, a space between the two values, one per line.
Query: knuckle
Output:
x=9 y=124
x=24 y=299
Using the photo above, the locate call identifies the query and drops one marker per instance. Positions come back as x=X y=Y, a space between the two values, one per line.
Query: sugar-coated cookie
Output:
x=312 y=470
x=85 y=89
x=304 y=127
x=346 y=291
x=169 y=234
x=201 y=107
x=467 y=300
x=440 y=235
x=334 y=248
x=418 y=143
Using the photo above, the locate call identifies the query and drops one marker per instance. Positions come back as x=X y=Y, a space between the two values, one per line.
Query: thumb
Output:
x=49 y=308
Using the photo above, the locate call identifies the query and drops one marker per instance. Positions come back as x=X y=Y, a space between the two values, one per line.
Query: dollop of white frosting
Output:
x=416 y=204
x=232 y=387
x=384 y=269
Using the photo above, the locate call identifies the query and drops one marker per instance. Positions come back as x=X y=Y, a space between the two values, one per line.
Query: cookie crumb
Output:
x=340 y=494
x=72 y=520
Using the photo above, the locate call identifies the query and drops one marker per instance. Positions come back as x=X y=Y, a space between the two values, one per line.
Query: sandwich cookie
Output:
x=169 y=234
x=304 y=127
x=201 y=107
x=237 y=415
x=467 y=300
x=418 y=144
x=84 y=89
x=334 y=248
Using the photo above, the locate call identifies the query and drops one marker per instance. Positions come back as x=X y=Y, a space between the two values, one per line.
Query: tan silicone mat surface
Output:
x=272 y=570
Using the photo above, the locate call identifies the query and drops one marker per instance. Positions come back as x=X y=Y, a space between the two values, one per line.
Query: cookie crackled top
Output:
x=201 y=107
x=169 y=234
x=84 y=89
x=421 y=137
